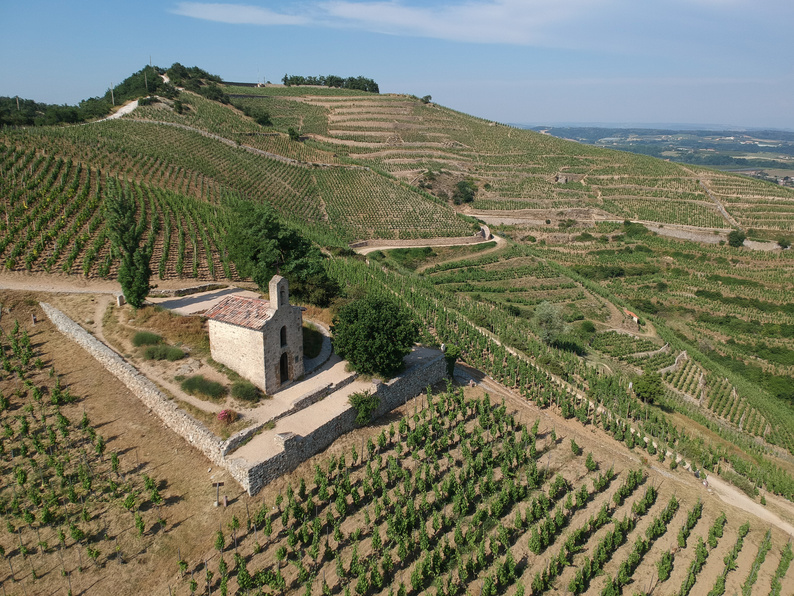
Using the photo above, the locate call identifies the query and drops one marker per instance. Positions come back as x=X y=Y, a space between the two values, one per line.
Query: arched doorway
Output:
x=283 y=368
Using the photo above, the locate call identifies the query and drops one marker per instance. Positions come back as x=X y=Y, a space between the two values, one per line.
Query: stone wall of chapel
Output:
x=292 y=318
x=240 y=349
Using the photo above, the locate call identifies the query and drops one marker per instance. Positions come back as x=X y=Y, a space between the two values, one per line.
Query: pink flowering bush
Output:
x=227 y=416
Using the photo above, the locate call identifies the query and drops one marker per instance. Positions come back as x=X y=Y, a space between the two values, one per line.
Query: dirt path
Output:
x=127 y=108
x=77 y=284
x=427 y=243
x=735 y=497
x=55 y=283
x=500 y=244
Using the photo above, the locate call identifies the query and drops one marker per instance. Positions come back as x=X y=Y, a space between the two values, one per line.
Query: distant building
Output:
x=260 y=340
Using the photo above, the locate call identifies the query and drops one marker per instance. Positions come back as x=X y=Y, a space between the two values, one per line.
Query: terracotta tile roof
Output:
x=237 y=310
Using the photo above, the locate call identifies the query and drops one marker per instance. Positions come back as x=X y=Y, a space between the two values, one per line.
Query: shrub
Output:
x=169 y=353
x=146 y=338
x=365 y=403
x=227 y=417
x=198 y=384
x=246 y=391
x=736 y=238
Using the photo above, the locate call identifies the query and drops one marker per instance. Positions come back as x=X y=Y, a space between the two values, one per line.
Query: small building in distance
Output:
x=260 y=340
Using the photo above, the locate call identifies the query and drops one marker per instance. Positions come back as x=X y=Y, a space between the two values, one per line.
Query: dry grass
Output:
x=176 y=329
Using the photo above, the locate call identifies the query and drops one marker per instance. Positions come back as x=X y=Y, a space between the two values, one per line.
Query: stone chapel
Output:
x=261 y=340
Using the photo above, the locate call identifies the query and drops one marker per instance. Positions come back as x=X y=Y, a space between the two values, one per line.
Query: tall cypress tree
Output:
x=125 y=232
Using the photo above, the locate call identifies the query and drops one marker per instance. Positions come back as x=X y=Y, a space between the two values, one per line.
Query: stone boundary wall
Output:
x=674 y=366
x=298 y=404
x=308 y=399
x=481 y=236
x=187 y=291
x=193 y=431
x=298 y=449
x=664 y=348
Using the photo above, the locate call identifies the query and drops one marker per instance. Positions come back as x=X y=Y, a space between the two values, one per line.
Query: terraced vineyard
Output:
x=46 y=170
x=520 y=170
x=58 y=222
x=460 y=495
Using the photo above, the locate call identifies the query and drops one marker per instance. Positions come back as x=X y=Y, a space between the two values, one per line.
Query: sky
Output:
x=716 y=62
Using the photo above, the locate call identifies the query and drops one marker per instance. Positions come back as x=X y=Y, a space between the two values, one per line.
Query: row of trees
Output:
x=357 y=83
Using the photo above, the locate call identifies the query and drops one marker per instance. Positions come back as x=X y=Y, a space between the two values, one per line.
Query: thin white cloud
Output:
x=237 y=14
x=626 y=26
x=521 y=22
x=516 y=22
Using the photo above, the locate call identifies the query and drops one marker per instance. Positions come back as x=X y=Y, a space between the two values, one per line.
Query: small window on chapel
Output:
x=283 y=297
x=283 y=336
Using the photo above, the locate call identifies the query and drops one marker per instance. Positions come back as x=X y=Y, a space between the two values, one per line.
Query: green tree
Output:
x=261 y=247
x=125 y=235
x=451 y=356
x=549 y=321
x=736 y=238
x=464 y=192
x=374 y=334
x=649 y=387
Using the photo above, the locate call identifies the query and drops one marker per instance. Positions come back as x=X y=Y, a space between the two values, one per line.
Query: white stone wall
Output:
x=240 y=349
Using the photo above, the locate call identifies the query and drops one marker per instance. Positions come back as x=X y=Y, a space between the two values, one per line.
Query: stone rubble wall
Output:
x=674 y=366
x=300 y=403
x=406 y=243
x=298 y=449
x=187 y=291
x=185 y=425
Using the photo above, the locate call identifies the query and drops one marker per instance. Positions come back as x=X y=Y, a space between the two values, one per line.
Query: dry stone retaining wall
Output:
x=193 y=431
x=298 y=449
x=674 y=366
x=300 y=403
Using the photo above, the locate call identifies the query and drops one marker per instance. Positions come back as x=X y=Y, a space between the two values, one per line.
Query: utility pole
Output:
x=145 y=81
x=17 y=103
x=112 y=99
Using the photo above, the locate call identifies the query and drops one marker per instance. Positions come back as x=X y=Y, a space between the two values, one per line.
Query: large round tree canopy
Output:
x=374 y=334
